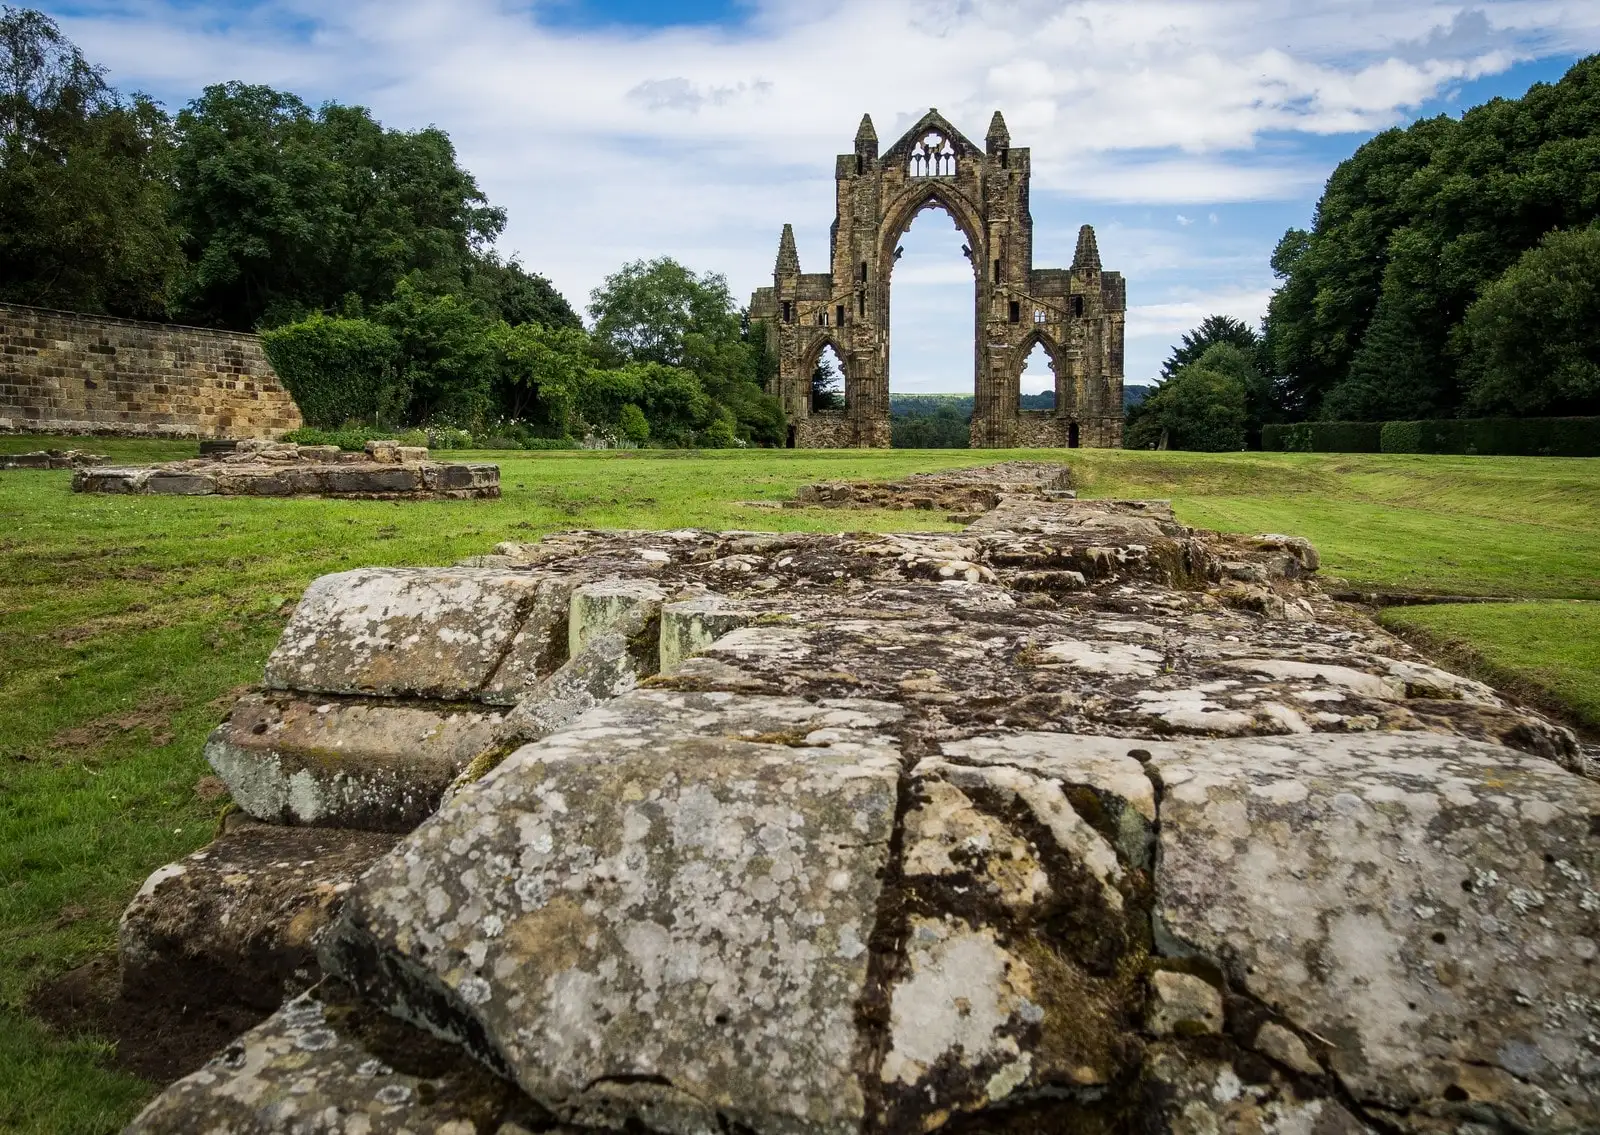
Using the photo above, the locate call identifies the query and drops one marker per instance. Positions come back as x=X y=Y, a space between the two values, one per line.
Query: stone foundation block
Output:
x=436 y=633
x=642 y=926
x=347 y=764
x=237 y=921
x=1445 y=889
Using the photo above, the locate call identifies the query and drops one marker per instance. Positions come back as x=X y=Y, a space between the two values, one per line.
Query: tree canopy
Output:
x=1369 y=320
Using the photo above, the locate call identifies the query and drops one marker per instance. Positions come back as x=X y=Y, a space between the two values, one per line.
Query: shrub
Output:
x=448 y=437
x=1401 y=437
x=1323 y=437
x=1512 y=437
x=1197 y=408
x=337 y=370
x=354 y=438
x=551 y=443
x=634 y=427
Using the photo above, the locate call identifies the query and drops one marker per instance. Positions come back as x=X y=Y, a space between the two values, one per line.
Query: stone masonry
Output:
x=1077 y=314
x=65 y=373
x=1078 y=820
x=386 y=471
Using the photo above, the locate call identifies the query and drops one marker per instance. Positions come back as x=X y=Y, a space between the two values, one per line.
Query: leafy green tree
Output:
x=510 y=292
x=659 y=312
x=445 y=356
x=1201 y=407
x=538 y=373
x=83 y=197
x=645 y=311
x=1213 y=329
x=634 y=426
x=1410 y=231
x=287 y=211
x=1533 y=336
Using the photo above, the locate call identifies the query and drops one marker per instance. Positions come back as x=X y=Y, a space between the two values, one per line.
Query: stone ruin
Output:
x=962 y=493
x=386 y=471
x=1078 y=820
x=1076 y=315
x=51 y=459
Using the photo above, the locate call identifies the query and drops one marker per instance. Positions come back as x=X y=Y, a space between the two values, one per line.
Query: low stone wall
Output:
x=837 y=429
x=1079 y=820
x=386 y=471
x=66 y=373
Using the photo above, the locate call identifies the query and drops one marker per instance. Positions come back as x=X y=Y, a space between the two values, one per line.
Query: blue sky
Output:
x=1190 y=133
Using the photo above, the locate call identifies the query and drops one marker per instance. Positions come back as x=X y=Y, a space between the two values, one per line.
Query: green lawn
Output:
x=125 y=623
x=1547 y=652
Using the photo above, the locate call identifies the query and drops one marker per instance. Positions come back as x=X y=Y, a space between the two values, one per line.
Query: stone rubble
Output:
x=386 y=471
x=1079 y=820
x=51 y=459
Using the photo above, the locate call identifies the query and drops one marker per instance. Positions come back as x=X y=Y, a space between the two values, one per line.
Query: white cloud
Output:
x=610 y=144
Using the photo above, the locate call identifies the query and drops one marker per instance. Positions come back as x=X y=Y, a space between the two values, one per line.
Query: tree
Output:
x=1533 y=336
x=1368 y=319
x=661 y=312
x=83 y=198
x=1200 y=407
x=287 y=211
x=645 y=310
x=1213 y=329
x=510 y=292
x=445 y=356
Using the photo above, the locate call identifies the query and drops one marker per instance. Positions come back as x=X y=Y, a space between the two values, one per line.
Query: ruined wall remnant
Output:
x=386 y=471
x=1079 y=820
x=1077 y=314
x=66 y=373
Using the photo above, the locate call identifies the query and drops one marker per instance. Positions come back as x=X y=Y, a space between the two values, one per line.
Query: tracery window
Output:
x=933 y=156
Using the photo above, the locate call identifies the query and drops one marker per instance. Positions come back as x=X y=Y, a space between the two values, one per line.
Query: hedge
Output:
x=1512 y=437
x=337 y=370
x=1323 y=437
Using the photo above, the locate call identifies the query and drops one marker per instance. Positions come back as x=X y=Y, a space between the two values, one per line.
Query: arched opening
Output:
x=1072 y=436
x=827 y=381
x=932 y=350
x=1038 y=381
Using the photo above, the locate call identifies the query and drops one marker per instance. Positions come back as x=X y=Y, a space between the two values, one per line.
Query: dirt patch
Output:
x=159 y=1040
x=153 y=715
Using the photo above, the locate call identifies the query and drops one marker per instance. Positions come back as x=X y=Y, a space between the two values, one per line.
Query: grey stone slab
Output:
x=1425 y=904
x=316 y=1068
x=339 y=763
x=180 y=484
x=439 y=633
x=690 y=626
x=639 y=923
x=599 y=605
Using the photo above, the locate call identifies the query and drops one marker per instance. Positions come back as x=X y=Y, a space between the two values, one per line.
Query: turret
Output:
x=788 y=255
x=866 y=140
x=1088 y=252
x=999 y=138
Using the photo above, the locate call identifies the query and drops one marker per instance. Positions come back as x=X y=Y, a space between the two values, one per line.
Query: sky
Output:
x=1190 y=133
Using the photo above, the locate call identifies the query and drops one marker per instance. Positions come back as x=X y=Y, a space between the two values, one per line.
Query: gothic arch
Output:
x=813 y=354
x=1076 y=312
x=902 y=213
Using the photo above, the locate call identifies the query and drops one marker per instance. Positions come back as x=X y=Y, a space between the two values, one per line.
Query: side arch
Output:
x=808 y=363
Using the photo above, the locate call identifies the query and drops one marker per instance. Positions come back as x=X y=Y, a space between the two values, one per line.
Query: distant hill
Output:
x=1133 y=395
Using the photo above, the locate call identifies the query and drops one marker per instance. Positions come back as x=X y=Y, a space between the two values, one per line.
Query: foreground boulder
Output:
x=1077 y=821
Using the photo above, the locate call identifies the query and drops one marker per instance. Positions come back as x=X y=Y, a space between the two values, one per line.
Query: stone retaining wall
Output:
x=67 y=373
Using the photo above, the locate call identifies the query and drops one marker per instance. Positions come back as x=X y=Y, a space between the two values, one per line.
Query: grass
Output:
x=1547 y=653
x=127 y=622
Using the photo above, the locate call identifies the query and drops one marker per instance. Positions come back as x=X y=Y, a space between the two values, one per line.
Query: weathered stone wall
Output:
x=65 y=373
x=1079 y=820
